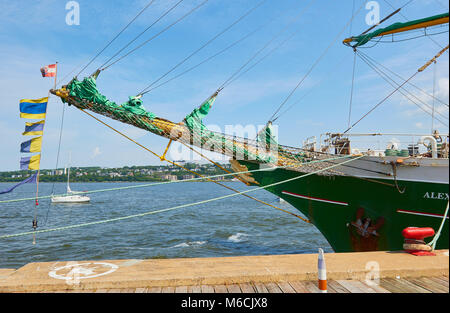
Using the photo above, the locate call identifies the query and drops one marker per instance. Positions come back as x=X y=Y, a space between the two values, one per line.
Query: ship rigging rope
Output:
x=240 y=72
x=398 y=88
x=394 y=84
x=140 y=34
x=433 y=242
x=351 y=90
x=172 y=182
x=405 y=92
x=353 y=158
x=146 y=89
x=59 y=143
x=274 y=116
x=210 y=57
x=322 y=80
x=162 y=158
x=435 y=42
x=112 y=40
x=154 y=36
x=232 y=77
x=400 y=77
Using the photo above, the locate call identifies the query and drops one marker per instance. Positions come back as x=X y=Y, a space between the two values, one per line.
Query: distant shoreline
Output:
x=124 y=174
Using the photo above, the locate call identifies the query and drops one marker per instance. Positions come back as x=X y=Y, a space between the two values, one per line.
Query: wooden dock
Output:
x=387 y=285
x=370 y=272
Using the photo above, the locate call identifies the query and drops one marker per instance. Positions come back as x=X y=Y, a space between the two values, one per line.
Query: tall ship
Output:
x=360 y=197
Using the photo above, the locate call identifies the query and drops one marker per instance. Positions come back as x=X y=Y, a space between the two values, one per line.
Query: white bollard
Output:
x=322 y=270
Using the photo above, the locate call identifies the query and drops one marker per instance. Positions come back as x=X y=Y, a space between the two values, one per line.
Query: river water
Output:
x=234 y=226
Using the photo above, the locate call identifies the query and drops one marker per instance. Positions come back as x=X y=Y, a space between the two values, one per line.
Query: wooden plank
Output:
x=364 y=287
x=354 y=286
x=394 y=288
x=285 y=287
x=437 y=284
x=399 y=286
x=338 y=288
x=127 y=290
x=441 y=282
x=194 y=289
x=207 y=289
x=298 y=286
x=140 y=290
x=220 y=289
x=272 y=287
x=411 y=287
x=260 y=288
x=181 y=289
x=154 y=290
x=312 y=286
x=101 y=291
x=442 y=279
x=376 y=287
x=247 y=288
x=428 y=284
x=113 y=290
x=234 y=288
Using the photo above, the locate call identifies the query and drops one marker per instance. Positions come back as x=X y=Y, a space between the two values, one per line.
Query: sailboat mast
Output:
x=68 y=172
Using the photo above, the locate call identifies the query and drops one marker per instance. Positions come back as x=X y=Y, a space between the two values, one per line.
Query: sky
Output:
x=36 y=33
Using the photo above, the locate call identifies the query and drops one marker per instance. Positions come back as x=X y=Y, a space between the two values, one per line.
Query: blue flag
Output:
x=31 y=179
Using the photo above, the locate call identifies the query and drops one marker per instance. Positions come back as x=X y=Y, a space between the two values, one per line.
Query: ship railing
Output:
x=386 y=144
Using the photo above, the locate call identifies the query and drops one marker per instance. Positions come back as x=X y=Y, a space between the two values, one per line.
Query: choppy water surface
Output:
x=230 y=227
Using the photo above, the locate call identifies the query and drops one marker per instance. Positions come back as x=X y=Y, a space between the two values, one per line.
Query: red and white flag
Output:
x=49 y=70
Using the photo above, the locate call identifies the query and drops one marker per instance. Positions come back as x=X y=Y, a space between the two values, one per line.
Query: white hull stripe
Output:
x=312 y=198
x=420 y=213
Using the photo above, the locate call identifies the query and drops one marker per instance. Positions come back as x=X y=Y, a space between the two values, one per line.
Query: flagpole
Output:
x=39 y=169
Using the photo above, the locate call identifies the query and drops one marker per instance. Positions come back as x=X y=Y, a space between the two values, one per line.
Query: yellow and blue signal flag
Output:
x=33 y=109
x=33 y=129
x=32 y=145
x=30 y=163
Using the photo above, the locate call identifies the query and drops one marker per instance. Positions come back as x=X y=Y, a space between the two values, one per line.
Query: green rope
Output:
x=167 y=182
x=176 y=207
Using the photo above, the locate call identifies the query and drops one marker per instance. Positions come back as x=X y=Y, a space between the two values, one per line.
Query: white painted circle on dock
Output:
x=76 y=271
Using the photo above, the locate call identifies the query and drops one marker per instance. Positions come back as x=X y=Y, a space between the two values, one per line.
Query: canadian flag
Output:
x=49 y=70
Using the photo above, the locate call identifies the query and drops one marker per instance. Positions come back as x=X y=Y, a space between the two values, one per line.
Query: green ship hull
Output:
x=358 y=214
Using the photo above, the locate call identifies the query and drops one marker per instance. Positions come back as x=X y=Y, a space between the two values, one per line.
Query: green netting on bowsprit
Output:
x=130 y=110
x=194 y=119
x=219 y=142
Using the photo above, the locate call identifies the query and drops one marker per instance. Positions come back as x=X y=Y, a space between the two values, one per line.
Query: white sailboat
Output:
x=70 y=196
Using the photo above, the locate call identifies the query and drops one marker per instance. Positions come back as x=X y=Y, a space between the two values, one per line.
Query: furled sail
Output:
x=398 y=28
x=85 y=96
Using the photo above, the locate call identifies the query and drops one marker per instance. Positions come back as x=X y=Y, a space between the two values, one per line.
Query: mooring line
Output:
x=171 y=182
x=176 y=207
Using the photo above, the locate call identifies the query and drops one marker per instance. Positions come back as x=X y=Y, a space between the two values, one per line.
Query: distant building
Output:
x=170 y=177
